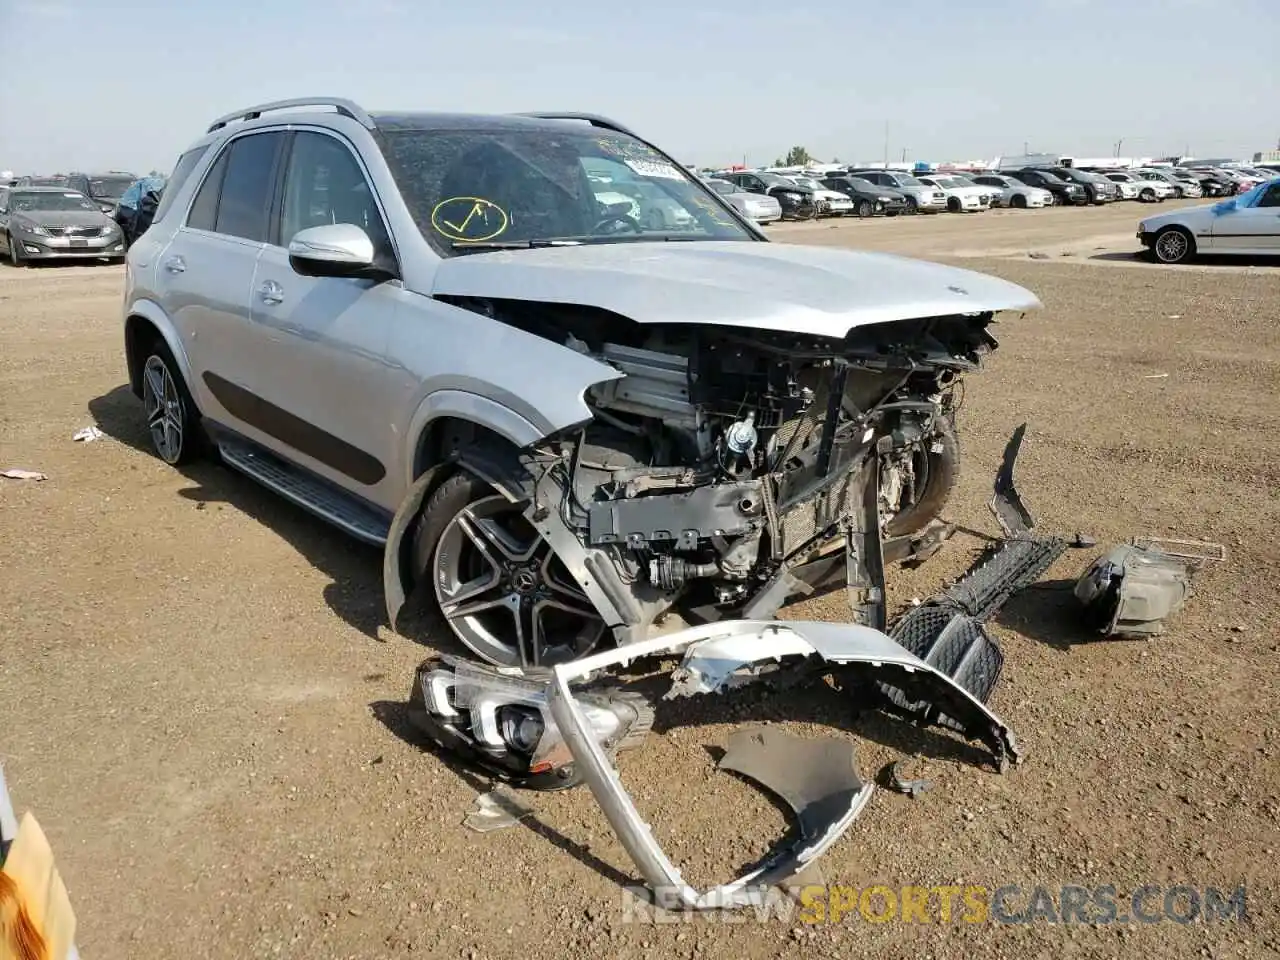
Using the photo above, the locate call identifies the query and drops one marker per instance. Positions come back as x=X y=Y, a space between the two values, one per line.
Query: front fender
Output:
x=151 y=311
x=475 y=408
x=500 y=467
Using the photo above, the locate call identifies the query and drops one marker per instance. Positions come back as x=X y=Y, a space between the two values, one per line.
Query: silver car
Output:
x=759 y=207
x=1008 y=192
x=52 y=223
x=563 y=428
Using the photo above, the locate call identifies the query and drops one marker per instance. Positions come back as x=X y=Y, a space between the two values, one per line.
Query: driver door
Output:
x=322 y=383
x=1255 y=228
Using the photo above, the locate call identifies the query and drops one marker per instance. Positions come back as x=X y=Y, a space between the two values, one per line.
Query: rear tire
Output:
x=1018 y=201
x=173 y=421
x=866 y=209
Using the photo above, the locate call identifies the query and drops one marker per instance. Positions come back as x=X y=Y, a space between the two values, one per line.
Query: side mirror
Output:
x=334 y=250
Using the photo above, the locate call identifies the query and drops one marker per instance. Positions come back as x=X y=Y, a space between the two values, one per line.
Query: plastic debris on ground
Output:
x=495 y=810
x=14 y=473
x=88 y=434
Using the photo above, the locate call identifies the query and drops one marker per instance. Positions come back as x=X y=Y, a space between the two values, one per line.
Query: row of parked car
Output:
x=766 y=196
x=74 y=216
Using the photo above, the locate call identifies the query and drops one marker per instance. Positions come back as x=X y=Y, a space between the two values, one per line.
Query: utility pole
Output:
x=1026 y=150
x=886 y=144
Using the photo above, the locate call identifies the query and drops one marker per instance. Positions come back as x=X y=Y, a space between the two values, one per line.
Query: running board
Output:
x=304 y=489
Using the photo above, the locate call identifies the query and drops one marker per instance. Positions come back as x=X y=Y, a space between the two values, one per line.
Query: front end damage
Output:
x=935 y=665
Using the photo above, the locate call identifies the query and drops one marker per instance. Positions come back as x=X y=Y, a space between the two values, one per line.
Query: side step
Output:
x=305 y=490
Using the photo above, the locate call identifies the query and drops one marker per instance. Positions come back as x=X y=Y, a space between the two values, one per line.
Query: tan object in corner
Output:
x=30 y=865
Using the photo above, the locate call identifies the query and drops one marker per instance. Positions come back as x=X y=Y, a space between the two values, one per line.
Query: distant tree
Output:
x=798 y=157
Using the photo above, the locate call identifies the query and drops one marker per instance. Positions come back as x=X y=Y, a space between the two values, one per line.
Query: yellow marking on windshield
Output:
x=458 y=218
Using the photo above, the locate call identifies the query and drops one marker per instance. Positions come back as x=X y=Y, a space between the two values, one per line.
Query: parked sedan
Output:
x=1182 y=184
x=962 y=196
x=831 y=203
x=869 y=198
x=1008 y=192
x=1098 y=189
x=1063 y=192
x=1141 y=188
x=753 y=206
x=1246 y=225
x=47 y=223
x=797 y=201
x=921 y=198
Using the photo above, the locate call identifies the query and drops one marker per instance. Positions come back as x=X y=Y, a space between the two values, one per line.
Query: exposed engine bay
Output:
x=723 y=473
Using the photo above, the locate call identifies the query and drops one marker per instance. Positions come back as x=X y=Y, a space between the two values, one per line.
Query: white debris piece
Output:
x=16 y=474
x=88 y=434
x=495 y=810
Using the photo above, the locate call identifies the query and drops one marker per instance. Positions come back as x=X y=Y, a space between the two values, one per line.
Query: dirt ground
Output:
x=200 y=701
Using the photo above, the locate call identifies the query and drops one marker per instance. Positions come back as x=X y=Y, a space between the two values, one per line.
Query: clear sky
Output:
x=126 y=84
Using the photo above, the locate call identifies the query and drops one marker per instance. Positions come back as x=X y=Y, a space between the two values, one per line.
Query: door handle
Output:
x=271 y=292
x=175 y=265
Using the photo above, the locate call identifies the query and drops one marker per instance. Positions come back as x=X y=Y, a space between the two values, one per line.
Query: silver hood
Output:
x=817 y=291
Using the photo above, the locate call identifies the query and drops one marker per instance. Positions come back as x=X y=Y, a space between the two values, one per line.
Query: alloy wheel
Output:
x=504 y=592
x=165 y=414
x=1172 y=246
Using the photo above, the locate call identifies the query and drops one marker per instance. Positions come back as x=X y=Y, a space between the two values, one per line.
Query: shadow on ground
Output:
x=354 y=568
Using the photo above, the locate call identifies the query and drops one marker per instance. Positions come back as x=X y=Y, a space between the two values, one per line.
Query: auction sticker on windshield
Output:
x=654 y=168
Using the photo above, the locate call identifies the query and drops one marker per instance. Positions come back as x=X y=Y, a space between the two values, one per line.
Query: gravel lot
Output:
x=201 y=703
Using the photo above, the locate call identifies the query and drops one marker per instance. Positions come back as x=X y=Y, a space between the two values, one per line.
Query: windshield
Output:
x=808 y=182
x=510 y=184
x=109 y=188
x=49 y=200
x=723 y=187
x=1048 y=177
x=46 y=181
x=904 y=180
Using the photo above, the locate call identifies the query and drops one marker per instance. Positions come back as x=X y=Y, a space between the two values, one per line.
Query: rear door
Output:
x=323 y=389
x=205 y=272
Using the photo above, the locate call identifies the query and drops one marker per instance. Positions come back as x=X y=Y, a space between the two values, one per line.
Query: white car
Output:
x=1008 y=192
x=759 y=207
x=1247 y=224
x=963 y=196
x=1135 y=186
x=837 y=204
x=1183 y=184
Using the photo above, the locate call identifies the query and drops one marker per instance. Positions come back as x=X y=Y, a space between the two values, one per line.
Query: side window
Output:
x=324 y=184
x=246 y=186
x=204 y=210
x=1271 y=198
x=181 y=171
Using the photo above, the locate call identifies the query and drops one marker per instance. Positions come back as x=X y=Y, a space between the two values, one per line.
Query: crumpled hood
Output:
x=819 y=291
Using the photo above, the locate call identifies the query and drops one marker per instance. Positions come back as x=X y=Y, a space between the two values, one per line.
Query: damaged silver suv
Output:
x=569 y=422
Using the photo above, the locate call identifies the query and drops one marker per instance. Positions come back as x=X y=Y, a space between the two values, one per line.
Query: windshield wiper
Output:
x=511 y=244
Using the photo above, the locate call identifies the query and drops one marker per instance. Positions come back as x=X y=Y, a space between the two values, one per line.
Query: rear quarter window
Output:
x=181 y=171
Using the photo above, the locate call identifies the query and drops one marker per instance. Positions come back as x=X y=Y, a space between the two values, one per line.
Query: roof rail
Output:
x=592 y=118
x=345 y=107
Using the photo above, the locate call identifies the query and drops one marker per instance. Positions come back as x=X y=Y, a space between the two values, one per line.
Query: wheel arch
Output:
x=144 y=323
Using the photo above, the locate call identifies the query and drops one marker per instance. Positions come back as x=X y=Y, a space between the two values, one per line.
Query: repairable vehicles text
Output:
x=565 y=428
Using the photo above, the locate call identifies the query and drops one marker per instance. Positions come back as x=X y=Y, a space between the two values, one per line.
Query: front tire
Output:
x=15 y=255
x=953 y=204
x=1174 y=245
x=866 y=209
x=172 y=419
x=1147 y=196
x=495 y=583
x=1019 y=201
